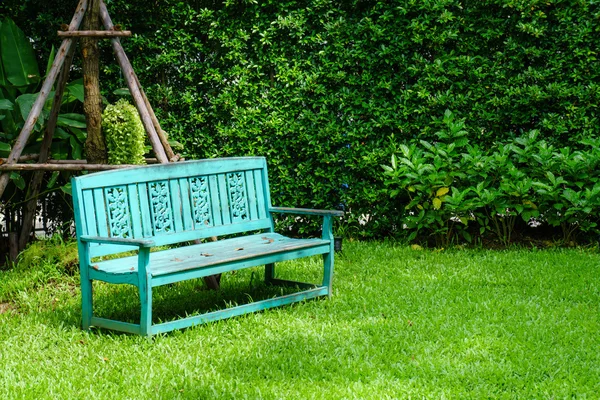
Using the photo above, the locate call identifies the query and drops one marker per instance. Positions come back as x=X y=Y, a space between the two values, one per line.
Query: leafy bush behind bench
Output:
x=454 y=191
x=327 y=90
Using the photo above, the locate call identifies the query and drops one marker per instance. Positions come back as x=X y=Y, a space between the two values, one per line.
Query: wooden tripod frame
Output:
x=59 y=74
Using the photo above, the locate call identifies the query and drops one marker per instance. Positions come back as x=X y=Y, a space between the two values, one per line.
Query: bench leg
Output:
x=269 y=272
x=86 y=302
x=328 y=271
x=146 y=309
x=145 y=288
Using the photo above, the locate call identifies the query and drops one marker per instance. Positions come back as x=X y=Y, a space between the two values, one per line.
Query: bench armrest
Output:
x=122 y=241
x=306 y=211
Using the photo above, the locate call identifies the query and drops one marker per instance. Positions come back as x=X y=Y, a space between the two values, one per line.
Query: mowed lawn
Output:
x=403 y=323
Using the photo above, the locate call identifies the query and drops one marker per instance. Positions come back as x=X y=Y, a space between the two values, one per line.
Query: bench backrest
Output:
x=173 y=202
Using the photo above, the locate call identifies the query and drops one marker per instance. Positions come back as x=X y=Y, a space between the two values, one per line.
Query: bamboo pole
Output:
x=36 y=180
x=161 y=134
x=129 y=76
x=43 y=95
x=35 y=157
x=96 y=34
x=63 y=167
x=27 y=157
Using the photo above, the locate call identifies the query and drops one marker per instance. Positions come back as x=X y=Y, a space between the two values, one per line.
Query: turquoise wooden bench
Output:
x=140 y=208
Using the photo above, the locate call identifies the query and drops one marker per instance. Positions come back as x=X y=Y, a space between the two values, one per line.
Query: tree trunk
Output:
x=95 y=146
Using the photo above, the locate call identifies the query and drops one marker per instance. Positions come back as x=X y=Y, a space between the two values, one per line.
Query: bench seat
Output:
x=206 y=258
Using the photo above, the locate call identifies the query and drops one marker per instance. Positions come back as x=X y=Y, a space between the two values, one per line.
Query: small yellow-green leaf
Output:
x=442 y=191
x=437 y=203
x=420 y=207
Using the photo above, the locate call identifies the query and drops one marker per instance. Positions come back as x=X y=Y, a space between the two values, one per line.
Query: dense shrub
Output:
x=453 y=190
x=328 y=90
x=124 y=133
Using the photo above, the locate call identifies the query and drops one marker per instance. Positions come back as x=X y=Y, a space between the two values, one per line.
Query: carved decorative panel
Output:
x=200 y=200
x=160 y=202
x=119 y=217
x=237 y=196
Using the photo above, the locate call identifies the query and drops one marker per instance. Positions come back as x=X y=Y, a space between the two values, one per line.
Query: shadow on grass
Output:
x=170 y=302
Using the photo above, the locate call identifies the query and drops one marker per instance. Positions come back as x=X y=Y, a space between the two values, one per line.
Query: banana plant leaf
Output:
x=75 y=88
x=20 y=65
x=6 y=104
x=50 y=61
x=72 y=121
x=3 y=81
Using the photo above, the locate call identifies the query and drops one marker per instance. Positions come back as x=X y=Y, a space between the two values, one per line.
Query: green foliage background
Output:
x=327 y=89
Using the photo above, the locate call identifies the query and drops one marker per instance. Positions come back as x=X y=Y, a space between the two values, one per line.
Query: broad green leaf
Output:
x=25 y=103
x=467 y=236
x=122 y=92
x=3 y=81
x=75 y=148
x=81 y=135
x=5 y=147
x=176 y=145
x=52 y=180
x=6 y=104
x=442 y=191
x=50 y=60
x=76 y=89
x=60 y=133
x=17 y=180
x=405 y=150
x=20 y=65
x=66 y=188
x=72 y=120
x=437 y=203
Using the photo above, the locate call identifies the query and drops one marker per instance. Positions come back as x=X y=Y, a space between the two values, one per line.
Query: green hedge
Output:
x=328 y=89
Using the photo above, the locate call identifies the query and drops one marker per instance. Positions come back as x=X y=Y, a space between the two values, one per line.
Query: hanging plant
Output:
x=124 y=133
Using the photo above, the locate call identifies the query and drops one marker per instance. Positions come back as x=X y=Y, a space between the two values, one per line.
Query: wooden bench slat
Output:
x=261 y=197
x=147 y=230
x=213 y=188
x=212 y=253
x=100 y=211
x=252 y=204
x=186 y=208
x=173 y=171
x=136 y=215
x=223 y=199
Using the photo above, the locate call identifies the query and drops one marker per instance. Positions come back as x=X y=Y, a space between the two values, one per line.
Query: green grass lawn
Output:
x=402 y=323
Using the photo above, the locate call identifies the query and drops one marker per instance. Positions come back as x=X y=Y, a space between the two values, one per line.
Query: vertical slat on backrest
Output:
x=147 y=230
x=202 y=211
x=215 y=203
x=251 y=188
x=100 y=210
x=260 y=189
x=176 y=204
x=224 y=199
x=161 y=209
x=237 y=196
x=89 y=214
x=186 y=205
x=136 y=216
